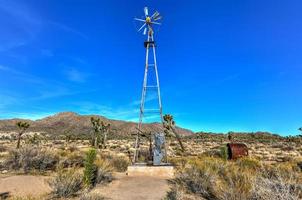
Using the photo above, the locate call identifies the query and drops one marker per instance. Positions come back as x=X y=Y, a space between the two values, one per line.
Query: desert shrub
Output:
x=179 y=162
x=224 y=154
x=66 y=183
x=62 y=152
x=173 y=194
x=245 y=179
x=93 y=196
x=73 y=160
x=120 y=163
x=104 y=171
x=233 y=183
x=72 y=148
x=267 y=189
x=277 y=146
x=287 y=171
x=57 y=142
x=178 y=193
x=248 y=163
x=3 y=148
x=143 y=155
x=212 y=153
x=28 y=159
x=197 y=179
x=299 y=164
x=287 y=148
x=90 y=168
x=33 y=139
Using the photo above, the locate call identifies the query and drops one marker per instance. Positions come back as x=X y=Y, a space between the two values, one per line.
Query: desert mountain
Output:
x=73 y=123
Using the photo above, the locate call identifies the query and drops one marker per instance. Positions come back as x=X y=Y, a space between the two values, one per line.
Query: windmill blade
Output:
x=142 y=27
x=157 y=18
x=141 y=20
x=146 y=11
x=145 y=31
x=155 y=14
x=156 y=23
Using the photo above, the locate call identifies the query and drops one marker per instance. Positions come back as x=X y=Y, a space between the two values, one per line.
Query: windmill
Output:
x=147 y=24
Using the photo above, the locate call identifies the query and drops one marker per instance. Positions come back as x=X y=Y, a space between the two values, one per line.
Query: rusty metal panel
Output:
x=237 y=150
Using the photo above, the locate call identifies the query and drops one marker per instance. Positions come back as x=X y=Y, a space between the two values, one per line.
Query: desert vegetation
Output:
x=70 y=172
x=77 y=166
x=245 y=179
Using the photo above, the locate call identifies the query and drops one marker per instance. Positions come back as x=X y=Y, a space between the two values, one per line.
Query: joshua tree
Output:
x=96 y=129
x=230 y=136
x=100 y=131
x=169 y=125
x=23 y=126
x=105 y=129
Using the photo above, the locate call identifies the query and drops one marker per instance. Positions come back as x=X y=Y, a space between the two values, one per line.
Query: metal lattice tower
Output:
x=150 y=64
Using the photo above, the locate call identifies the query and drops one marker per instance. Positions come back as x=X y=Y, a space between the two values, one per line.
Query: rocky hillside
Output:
x=73 y=123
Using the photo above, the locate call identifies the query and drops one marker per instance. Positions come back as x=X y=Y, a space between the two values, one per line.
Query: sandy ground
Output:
x=122 y=188
x=135 y=188
x=24 y=185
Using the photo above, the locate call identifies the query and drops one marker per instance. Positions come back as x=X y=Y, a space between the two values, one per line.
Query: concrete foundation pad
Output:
x=162 y=171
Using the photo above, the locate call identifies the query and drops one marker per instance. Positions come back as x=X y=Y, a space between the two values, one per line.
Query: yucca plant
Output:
x=90 y=168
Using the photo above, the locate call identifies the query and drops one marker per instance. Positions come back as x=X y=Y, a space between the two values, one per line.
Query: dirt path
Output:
x=24 y=185
x=135 y=188
x=122 y=188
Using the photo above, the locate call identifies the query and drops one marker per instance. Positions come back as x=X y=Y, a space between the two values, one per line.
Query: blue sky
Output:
x=223 y=65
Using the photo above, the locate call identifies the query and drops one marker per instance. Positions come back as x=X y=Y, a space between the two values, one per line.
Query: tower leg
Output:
x=142 y=104
x=150 y=42
x=159 y=96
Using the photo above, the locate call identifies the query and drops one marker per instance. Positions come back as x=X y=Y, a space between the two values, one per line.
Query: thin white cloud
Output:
x=68 y=29
x=29 y=22
x=24 y=19
x=127 y=113
x=13 y=44
x=3 y=68
x=20 y=12
x=25 y=115
x=75 y=75
x=7 y=100
x=150 y=97
x=45 y=88
x=119 y=113
x=21 y=75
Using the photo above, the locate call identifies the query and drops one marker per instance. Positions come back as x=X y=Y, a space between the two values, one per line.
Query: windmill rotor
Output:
x=147 y=22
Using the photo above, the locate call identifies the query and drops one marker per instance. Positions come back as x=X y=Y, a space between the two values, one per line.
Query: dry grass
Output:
x=93 y=196
x=31 y=159
x=66 y=183
x=104 y=171
x=245 y=179
x=24 y=198
x=119 y=163
x=73 y=159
